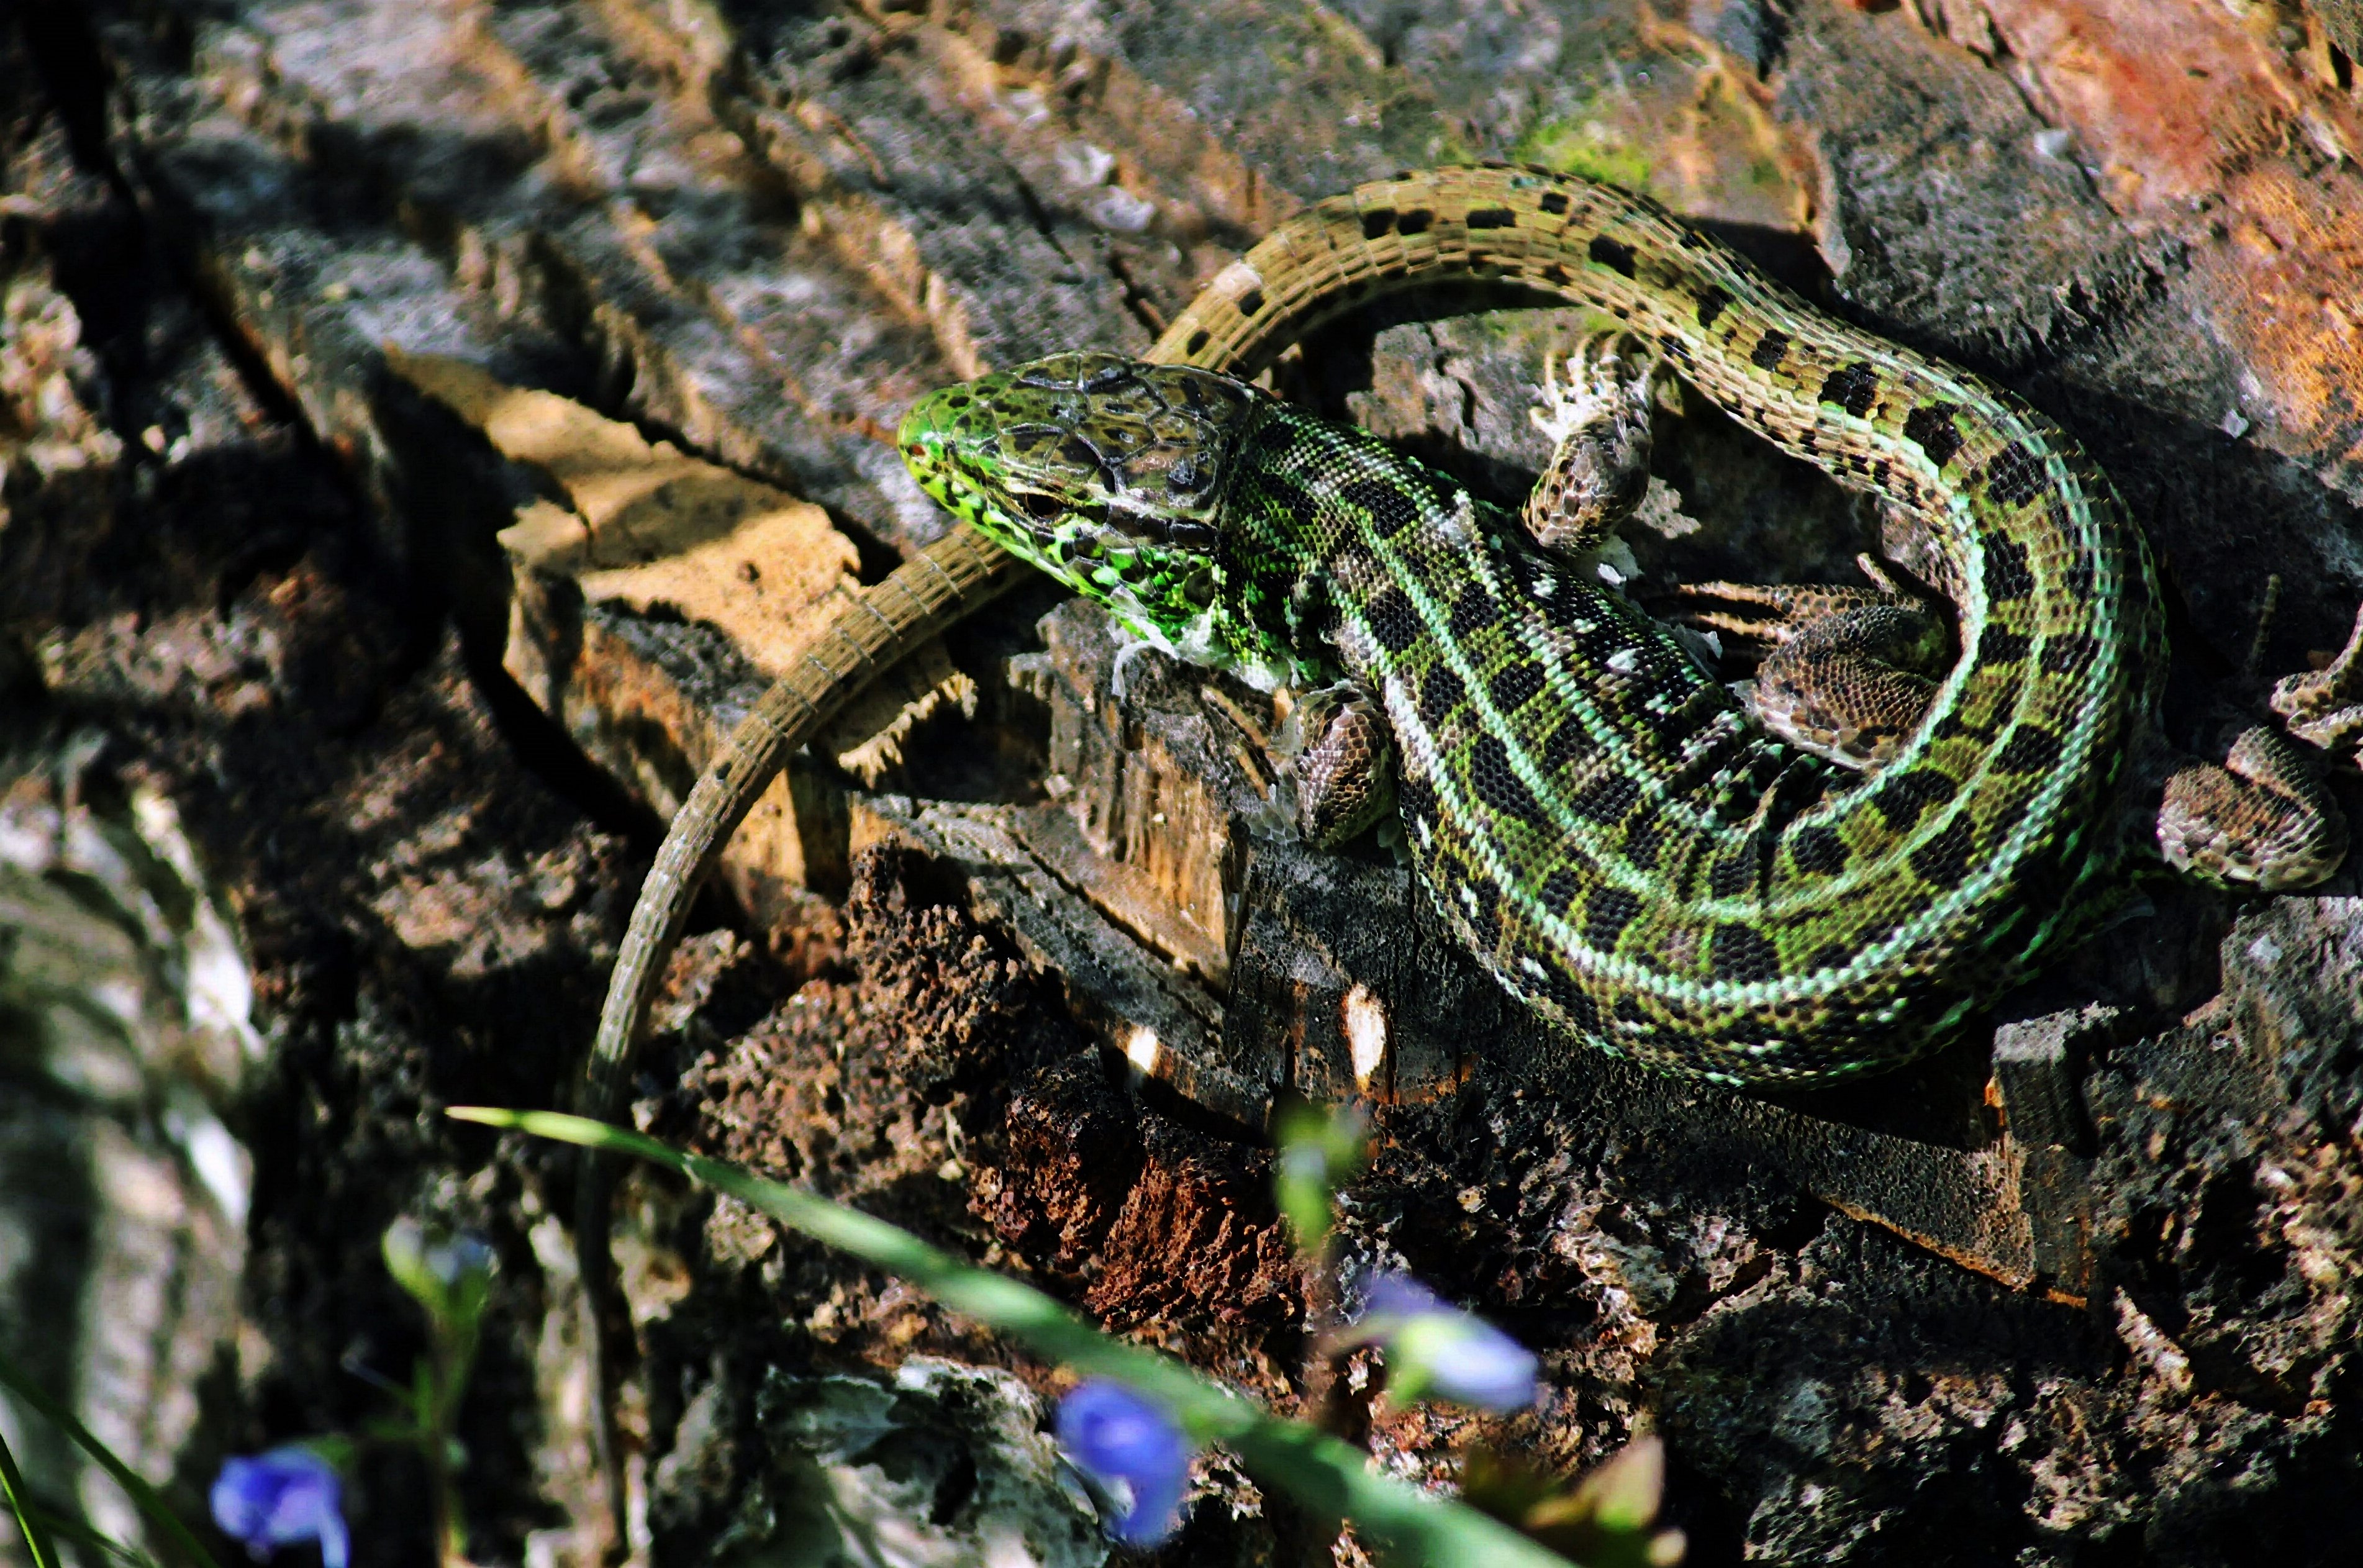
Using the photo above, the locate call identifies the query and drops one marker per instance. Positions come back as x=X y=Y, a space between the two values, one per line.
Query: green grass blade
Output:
x=83 y=1532
x=20 y=1503
x=1319 y=1471
x=150 y=1500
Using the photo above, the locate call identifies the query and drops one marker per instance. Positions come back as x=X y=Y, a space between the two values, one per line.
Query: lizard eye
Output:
x=1039 y=506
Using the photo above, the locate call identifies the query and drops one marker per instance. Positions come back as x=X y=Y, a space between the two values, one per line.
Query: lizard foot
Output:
x=1342 y=761
x=2263 y=818
x=1848 y=673
x=2326 y=707
x=1599 y=427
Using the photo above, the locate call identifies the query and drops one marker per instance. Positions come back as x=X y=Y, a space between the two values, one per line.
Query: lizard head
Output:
x=1105 y=473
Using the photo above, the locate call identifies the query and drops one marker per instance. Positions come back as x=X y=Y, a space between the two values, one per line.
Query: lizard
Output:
x=1656 y=865
x=1595 y=814
x=1995 y=811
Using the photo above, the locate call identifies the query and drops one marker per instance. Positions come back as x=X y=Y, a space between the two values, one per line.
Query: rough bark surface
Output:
x=290 y=860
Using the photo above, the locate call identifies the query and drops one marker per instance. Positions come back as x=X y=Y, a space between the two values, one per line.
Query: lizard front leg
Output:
x=1599 y=427
x=1340 y=760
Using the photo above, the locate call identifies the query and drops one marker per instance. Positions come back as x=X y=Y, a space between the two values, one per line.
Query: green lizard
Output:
x=1592 y=811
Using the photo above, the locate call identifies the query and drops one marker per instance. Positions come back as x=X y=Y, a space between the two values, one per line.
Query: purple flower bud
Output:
x=280 y=1498
x=1119 y=1435
x=1436 y=1349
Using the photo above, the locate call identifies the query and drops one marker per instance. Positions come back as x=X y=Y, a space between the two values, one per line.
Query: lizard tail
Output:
x=934 y=589
x=939 y=586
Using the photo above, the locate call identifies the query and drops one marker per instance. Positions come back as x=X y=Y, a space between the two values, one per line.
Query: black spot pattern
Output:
x=2029 y=749
x=1838 y=955
x=1494 y=218
x=1711 y=303
x=2007 y=576
x=1769 y=350
x=1301 y=509
x=1389 y=508
x=1414 y=221
x=1930 y=427
x=1944 y=860
x=1818 y=851
x=1517 y=685
x=1604 y=919
x=1392 y=620
x=1567 y=743
x=2000 y=645
x=1554 y=204
x=1953 y=727
x=1496 y=785
x=1559 y=891
x=1605 y=799
x=2015 y=476
x=1734 y=871
x=1902 y=797
x=1440 y=691
x=1743 y=953
x=1376 y=221
x=1614 y=257
x=1473 y=611
x=1853 y=387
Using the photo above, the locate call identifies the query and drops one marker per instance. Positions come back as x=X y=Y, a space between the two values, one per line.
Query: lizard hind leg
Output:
x=2325 y=706
x=1847 y=673
x=1599 y=427
x=2263 y=818
x=1340 y=759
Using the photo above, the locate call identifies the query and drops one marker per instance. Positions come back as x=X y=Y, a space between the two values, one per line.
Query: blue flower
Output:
x=280 y=1498
x=1119 y=1436
x=1436 y=1349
